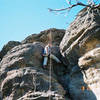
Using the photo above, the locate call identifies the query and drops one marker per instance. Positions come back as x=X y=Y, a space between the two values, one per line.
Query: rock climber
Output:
x=47 y=54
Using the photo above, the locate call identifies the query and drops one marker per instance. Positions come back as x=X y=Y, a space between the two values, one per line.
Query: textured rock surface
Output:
x=90 y=58
x=83 y=32
x=22 y=75
x=22 y=56
x=22 y=66
x=45 y=36
x=81 y=37
x=8 y=47
x=29 y=55
x=24 y=80
x=78 y=88
x=91 y=63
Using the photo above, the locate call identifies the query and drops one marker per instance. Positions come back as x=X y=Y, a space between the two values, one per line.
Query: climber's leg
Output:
x=55 y=58
x=45 y=61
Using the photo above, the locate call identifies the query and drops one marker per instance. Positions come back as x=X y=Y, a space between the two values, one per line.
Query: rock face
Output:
x=90 y=58
x=83 y=32
x=8 y=47
x=28 y=55
x=91 y=63
x=45 y=36
x=22 y=56
x=80 y=46
x=77 y=77
x=28 y=80
x=22 y=75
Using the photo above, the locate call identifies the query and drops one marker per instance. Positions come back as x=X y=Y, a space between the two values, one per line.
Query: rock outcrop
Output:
x=53 y=35
x=80 y=46
x=22 y=56
x=8 y=47
x=28 y=55
x=90 y=58
x=83 y=32
x=28 y=80
x=22 y=75
x=77 y=77
x=90 y=62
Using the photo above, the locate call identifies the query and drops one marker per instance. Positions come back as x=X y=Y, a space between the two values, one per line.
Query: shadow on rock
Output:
x=24 y=81
x=75 y=86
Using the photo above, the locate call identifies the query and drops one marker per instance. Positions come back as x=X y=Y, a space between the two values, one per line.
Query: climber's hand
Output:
x=45 y=54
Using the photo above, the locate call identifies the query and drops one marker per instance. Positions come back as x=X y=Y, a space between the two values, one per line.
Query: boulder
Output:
x=21 y=56
x=90 y=63
x=82 y=39
x=91 y=58
x=16 y=62
x=82 y=32
x=30 y=55
x=8 y=47
x=30 y=82
x=53 y=35
x=77 y=87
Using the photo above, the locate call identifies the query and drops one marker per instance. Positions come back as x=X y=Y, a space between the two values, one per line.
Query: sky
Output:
x=21 y=18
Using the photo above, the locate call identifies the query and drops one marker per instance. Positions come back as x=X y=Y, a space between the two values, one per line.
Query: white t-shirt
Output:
x=47 y=49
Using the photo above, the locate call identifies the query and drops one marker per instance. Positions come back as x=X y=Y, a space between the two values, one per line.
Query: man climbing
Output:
x=47 y=53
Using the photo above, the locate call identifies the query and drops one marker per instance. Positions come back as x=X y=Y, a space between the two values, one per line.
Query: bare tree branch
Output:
x=74 y=5
x=79 y=3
